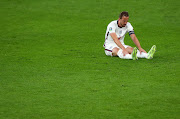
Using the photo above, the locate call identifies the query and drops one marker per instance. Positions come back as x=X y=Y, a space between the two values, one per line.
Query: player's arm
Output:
x=137 y=43
x=114 y=37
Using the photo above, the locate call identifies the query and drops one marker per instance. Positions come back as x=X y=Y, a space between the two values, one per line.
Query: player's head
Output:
x=123 y=18
x=124 y=13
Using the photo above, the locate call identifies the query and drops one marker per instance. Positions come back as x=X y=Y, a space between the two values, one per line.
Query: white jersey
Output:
x=120 y=31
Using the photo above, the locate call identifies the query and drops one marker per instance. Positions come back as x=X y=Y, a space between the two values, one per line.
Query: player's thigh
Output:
x=108 y=52
x=128 y=48
x=111 y=49
x=115 y=51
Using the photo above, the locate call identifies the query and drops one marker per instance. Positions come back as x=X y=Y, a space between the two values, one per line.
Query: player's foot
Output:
x=151 y=52
x=134 y=54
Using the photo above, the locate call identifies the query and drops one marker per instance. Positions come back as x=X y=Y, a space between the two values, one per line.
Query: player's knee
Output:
x=129 y=49
x=115 y=51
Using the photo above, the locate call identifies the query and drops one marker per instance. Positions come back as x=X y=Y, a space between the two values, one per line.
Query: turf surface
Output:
x=53 y=66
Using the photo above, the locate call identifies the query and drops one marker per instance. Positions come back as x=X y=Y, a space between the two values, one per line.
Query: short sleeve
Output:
x=111 y=28
x=130 y=29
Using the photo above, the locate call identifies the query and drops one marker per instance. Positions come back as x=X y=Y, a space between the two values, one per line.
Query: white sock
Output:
x=142 y=54
x=121 y=55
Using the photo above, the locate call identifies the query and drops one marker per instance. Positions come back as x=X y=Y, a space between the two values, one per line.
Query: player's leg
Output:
x=121 y=55
x=151 y=52
x=148 y=55
x=113 y=50
x=108 y=52
x=129 y=49
x=127 y=56
x=134 y=54
x=141 y=55
x=132 y=51
x=117 y=52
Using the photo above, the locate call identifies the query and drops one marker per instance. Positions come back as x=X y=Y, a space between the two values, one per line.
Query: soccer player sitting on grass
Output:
x=114 y=40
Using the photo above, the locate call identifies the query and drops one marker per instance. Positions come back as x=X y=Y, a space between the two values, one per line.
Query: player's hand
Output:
x=125 y=52
x=142 y=50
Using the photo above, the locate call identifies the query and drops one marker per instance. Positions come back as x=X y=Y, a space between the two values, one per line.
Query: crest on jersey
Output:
x=110 y=29
x=120 y=31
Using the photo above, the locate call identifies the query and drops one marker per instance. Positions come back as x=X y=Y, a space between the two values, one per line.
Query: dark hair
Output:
x=124 y=13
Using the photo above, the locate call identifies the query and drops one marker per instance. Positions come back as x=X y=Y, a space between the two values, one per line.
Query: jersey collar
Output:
x=118 y=24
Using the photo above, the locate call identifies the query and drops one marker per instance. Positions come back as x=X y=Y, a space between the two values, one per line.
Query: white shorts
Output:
x=110 y=46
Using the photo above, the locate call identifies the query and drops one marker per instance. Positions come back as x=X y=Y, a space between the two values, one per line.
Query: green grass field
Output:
x=53 y=65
